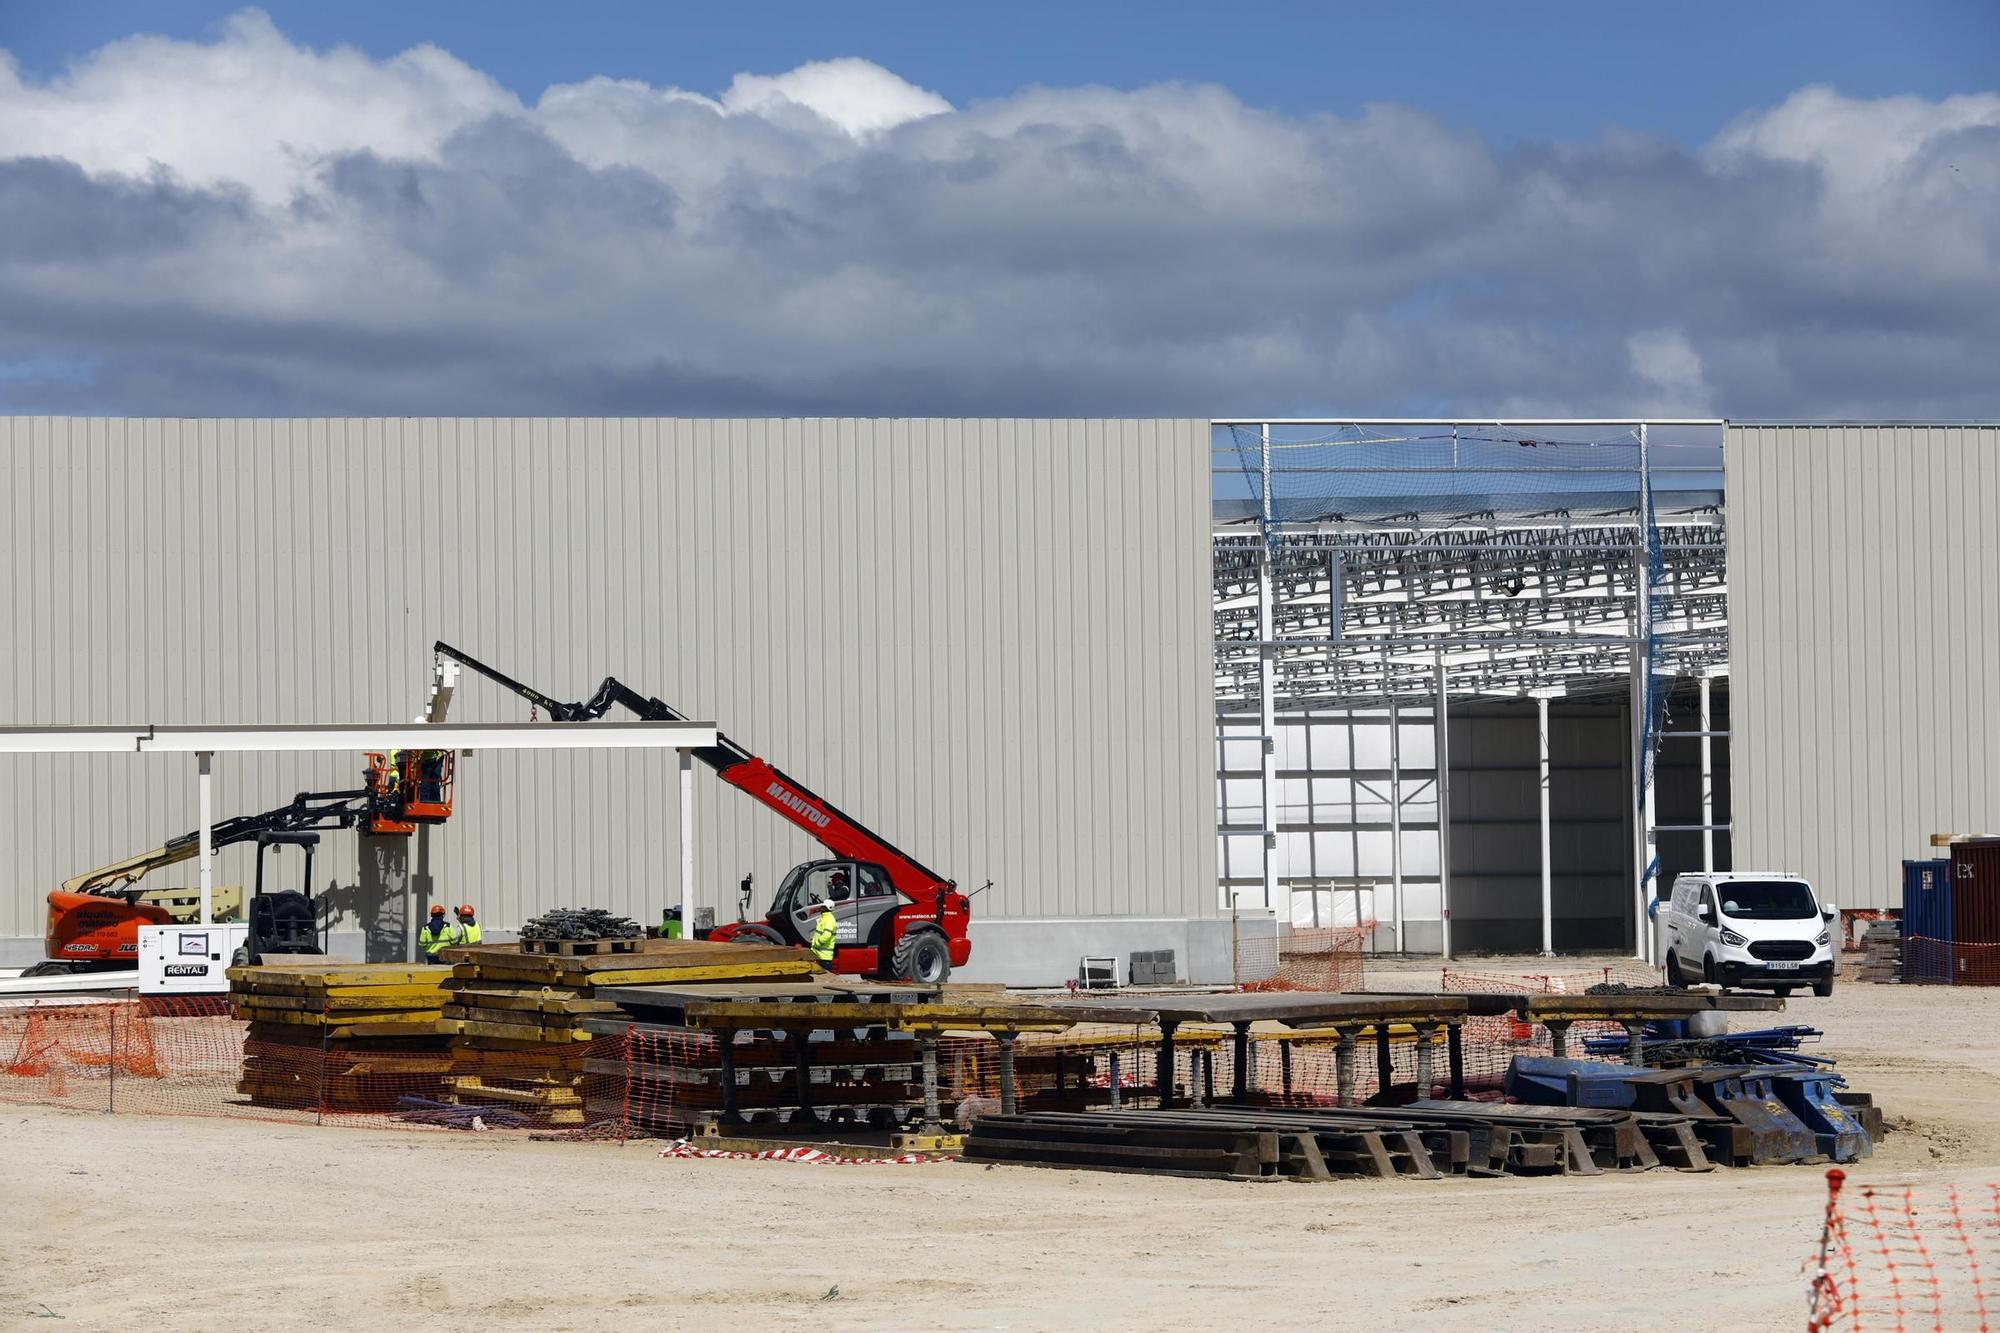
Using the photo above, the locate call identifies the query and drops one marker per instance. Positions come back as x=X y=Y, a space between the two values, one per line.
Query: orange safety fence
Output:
x=1947 y=963
x=191 y=1057
x=1518 y=1036
x=1317 y=958
x=1896 y=1258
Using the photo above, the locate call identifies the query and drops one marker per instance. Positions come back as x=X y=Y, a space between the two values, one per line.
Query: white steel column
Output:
x=1642 y=636
x=1395 y=805
x=1441 y=747
x=205 y=812
x=1548 y=878
x=1646 y=853
x=687 y=844
x=1638 y=805
x=1707 y=782
x=1267 y=704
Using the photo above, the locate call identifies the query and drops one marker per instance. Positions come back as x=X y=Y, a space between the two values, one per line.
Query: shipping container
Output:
x=1927 y=918
x=1975 y=911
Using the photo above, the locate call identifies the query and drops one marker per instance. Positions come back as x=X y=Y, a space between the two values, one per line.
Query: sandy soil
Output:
x=201 y=1224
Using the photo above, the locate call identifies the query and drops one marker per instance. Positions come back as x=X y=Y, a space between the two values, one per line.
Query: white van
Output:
x=1750 y=928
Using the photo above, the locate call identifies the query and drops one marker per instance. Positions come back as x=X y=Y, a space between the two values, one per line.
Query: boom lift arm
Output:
x=308 y=810
x=813 y=814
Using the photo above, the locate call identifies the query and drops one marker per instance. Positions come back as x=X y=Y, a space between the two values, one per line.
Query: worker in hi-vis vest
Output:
x=468 y=925
x=825 y=931
x=438 y=933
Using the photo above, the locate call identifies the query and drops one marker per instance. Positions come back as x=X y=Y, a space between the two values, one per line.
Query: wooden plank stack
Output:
x=653 y=962
x=521 y=1040
x=1881 y=952
x=341 y=1036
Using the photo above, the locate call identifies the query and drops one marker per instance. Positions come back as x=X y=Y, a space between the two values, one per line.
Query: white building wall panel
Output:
x=1865 y=647
x=990 y=640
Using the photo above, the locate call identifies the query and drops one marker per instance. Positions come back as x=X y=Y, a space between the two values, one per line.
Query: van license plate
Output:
x=1783 y=967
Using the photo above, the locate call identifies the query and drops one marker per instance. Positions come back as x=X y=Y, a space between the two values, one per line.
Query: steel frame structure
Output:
x=1484 y=589
x=204 y=743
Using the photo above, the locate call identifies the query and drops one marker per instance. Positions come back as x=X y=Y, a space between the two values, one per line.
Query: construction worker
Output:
x=430 y=782
x=468 y=925
x=825 y=932
x=438 y=933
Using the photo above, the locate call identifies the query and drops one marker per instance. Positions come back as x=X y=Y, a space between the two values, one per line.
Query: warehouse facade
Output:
x=989 y=640
x=1864 y=579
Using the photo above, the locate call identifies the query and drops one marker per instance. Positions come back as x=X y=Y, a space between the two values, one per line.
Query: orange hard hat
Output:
x=438 y=910
x=465 y=909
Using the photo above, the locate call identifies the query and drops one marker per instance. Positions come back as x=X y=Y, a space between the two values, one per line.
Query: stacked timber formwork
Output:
x=341 y=1036
x=522 y=1039
x=1882 y=953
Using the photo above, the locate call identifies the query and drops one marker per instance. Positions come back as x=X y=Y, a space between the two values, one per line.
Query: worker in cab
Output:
x=468 y=924
x=826 y=931
x=438 y=933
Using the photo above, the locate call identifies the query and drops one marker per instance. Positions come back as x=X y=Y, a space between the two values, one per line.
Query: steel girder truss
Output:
x=1364 y=612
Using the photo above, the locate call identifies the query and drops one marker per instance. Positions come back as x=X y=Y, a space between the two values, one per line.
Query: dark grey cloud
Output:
x=327 y=233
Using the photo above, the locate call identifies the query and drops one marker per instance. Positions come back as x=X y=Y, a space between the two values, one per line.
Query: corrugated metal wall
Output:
x=989 y=639
x=1864 y=589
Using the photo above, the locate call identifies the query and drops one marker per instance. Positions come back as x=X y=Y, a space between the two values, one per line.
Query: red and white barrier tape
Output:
x=682 y=1148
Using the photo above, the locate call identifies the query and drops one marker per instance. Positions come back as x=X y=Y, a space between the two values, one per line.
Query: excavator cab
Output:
x=410 y=787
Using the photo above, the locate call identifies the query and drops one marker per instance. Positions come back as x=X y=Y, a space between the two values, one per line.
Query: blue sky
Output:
x=1544 y=68
x=1760 y=208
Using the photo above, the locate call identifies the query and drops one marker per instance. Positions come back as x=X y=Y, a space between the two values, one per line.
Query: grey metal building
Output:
x=1864 y=573
x=991 y=640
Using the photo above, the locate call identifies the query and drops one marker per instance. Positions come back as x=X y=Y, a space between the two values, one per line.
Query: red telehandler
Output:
x=896 y=917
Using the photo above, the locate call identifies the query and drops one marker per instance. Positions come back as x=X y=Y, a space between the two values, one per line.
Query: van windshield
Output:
x=1767 y=900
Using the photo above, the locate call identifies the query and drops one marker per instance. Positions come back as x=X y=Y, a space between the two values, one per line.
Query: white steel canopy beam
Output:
x=357 y=736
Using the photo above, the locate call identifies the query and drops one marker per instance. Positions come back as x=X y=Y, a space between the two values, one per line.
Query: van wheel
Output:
x=1823 y=988
x=1674 y=977
x=1708 y=969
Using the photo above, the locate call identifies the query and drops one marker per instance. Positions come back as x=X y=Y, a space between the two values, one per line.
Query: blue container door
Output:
x=1927 y=921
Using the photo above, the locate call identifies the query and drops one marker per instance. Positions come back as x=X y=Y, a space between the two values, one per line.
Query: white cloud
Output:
x=251 y=225
x=1860 y=146
x=857 y=95
x=249 y=109
x=1664 y=359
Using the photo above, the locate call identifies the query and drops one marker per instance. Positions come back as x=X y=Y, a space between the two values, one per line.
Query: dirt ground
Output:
x=131 y=1221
